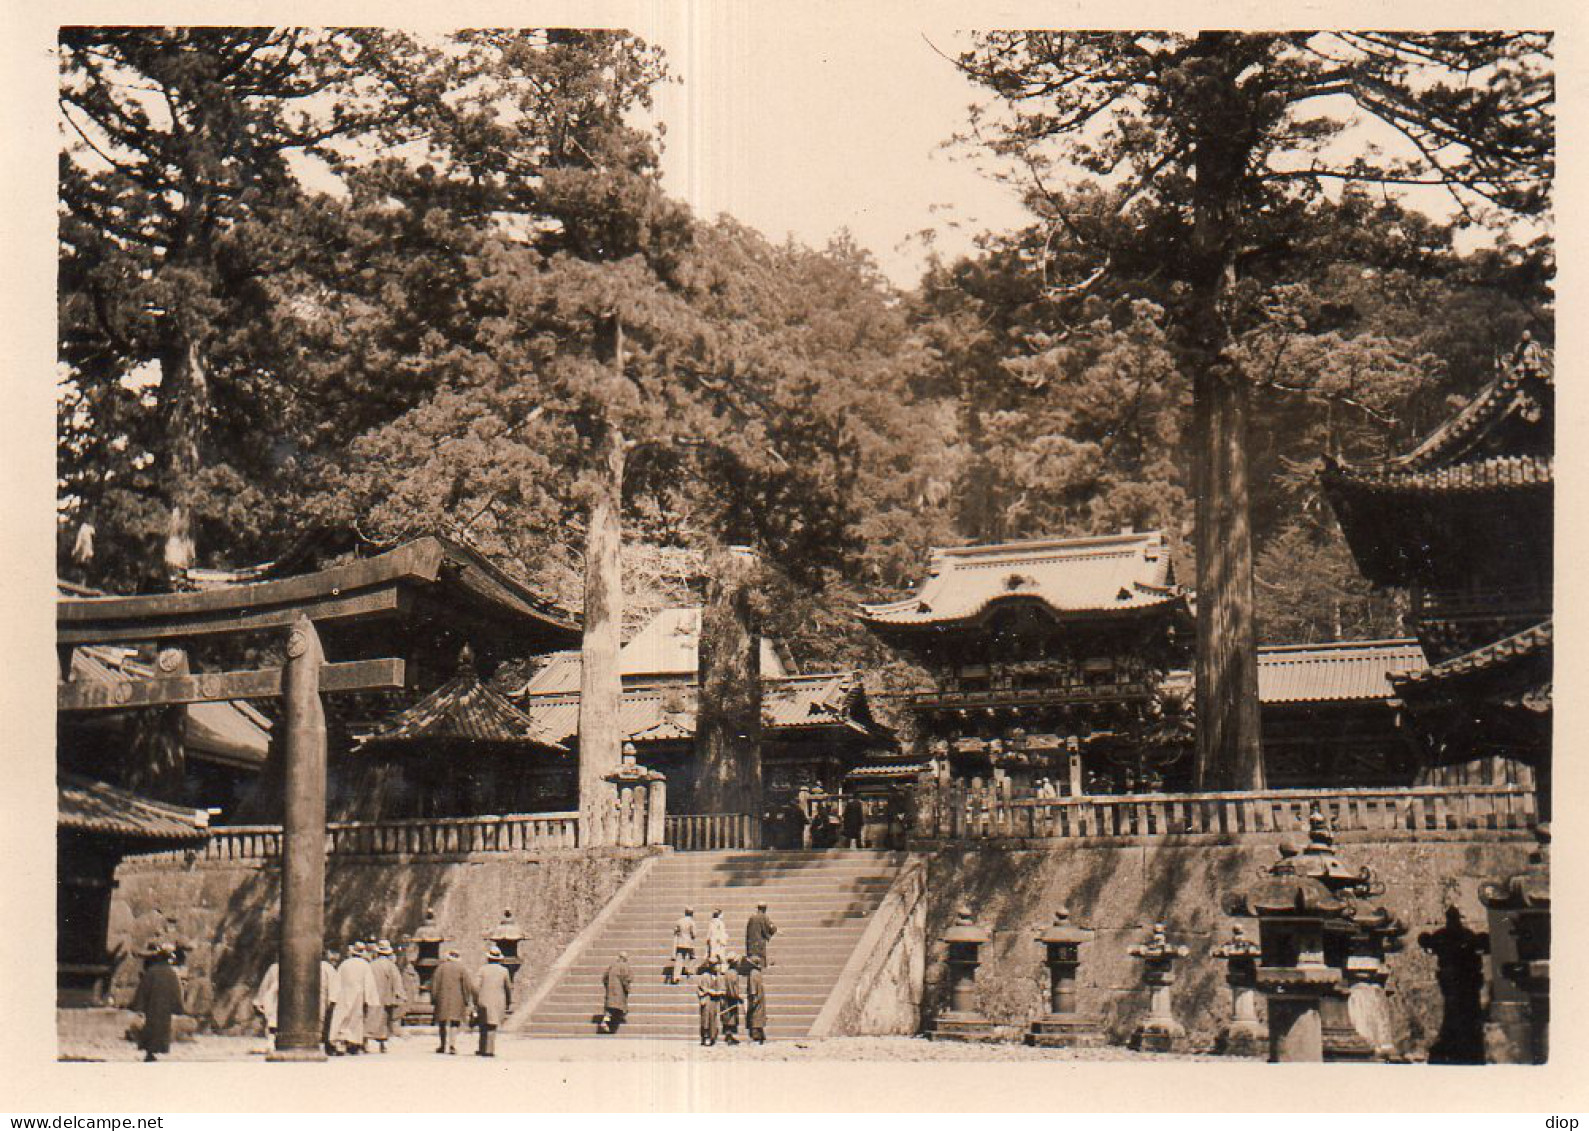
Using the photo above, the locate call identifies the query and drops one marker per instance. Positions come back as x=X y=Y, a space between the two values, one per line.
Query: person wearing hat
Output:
x=755 y=1000
x=356 y=992
x=759 y=929
x=382 y=1015
x=615 y=1004
x=451 y=995
x=493 y=999
x=683 y=945
x=709 y=992
x=158 y=998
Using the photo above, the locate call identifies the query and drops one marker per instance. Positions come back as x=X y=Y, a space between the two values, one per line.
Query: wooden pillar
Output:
x=303 y=865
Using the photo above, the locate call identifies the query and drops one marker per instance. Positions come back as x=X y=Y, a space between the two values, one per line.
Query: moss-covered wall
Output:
x=227 y=912
x=1120 y=890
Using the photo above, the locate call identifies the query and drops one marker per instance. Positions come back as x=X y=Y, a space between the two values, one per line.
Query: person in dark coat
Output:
x=158 y=998
x=854 y=822
x=755 y=1001
x=729 y=969
x=451 y=996
x=494 y=997
x=709 y=989
x=758 y=929
x=615 y=1005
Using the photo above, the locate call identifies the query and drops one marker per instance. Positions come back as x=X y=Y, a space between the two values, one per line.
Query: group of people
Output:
x=361 y=998
x=814 y=819
x=729 y=987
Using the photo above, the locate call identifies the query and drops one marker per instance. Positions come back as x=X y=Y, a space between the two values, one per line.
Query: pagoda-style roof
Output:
x=88 y=806
x=1350 y=671
x=464 y=709
x=834 y=702
x=430 y=581
x=1489 y=469
x=1068 y=578
x=666 y=650
x=1516 y=669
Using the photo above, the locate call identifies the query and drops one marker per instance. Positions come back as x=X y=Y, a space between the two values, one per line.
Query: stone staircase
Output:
x=819 y=901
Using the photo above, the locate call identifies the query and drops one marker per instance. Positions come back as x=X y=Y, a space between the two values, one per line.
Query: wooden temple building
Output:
x=1049 y=660
x=1465 y=521
x=816 y=727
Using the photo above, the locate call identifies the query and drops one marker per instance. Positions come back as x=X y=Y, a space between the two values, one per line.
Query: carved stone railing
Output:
x=422 y=836
x=963 y=811
x=702 y=832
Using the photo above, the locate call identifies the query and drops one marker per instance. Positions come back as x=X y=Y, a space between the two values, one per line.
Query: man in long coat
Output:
x=356 y=992
x=451 y=995
x=328 y=997
x=266 y=1001
x=615 y=1005
x=381 y=1016
x=709 y=989
x=158 y=998
x=716 y=937
x=755 y=1001
x=729 y=969
x=683 y=945
x=493 y=998
x=758 y=929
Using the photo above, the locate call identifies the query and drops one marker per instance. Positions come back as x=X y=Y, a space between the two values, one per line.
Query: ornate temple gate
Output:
x=431 y=581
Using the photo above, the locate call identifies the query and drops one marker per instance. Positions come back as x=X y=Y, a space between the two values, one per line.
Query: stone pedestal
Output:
x=1244 y=1036
x=1159 y=1031
x=963 y=1021
x=1063 y=1026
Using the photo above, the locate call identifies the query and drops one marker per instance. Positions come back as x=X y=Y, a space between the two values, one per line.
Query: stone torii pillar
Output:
x=303 y=865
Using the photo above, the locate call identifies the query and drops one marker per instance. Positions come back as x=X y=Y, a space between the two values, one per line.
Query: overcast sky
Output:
x=803 y=126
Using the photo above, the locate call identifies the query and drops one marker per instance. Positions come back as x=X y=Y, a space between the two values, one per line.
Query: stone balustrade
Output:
x=975 y=811
x=703 y=832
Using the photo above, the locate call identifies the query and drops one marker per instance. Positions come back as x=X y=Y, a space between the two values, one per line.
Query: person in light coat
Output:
x=683 y=945
x=382 y=1015
x=716 y=937
x=452 y=997
x=328 y=997
x=493 y=999
x=266 y=1002
x=357 y=990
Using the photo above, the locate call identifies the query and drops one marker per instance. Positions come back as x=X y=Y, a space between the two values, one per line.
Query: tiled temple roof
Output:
x=1495 y=473
x=668 y=647
x=85 y=805
x=1085 y=576
x=1533 y=641
x=655 y=714
x=464 y=709
x=1348 y=671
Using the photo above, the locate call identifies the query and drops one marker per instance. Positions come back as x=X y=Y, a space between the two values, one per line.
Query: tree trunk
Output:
x=1229 y=754
x=600 y=682
x=184 y=406
x=728 y=718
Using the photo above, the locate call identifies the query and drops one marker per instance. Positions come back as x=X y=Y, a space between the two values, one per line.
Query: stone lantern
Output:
x=507 y=935
x=1378 y=933
x=1159 y=1030
x=962 y=1021
x=1306 y=923
x=1063 y=1026
x=1245 y=1035
x=1518 y=1028
x=427 y=940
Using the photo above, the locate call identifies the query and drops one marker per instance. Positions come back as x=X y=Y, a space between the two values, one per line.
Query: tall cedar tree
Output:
x=1209 y=137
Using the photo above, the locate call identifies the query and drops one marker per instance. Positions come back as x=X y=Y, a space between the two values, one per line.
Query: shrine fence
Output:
x=963 y=811
x=440 y=836
x=704 y=832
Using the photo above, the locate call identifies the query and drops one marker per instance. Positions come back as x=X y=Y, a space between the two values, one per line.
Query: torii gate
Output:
x=430 y=580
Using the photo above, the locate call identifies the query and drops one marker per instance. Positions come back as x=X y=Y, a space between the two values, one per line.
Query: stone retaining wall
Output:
x=227 y=911
x=1121 y=889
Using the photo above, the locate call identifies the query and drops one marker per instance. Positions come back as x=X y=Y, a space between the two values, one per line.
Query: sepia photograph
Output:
x=742 y=541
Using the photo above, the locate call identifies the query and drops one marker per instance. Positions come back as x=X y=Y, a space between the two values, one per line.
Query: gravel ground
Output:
x=421 y=1047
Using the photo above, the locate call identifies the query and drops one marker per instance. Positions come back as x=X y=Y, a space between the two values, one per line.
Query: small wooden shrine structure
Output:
x=1466 y=522
x=1049 y=660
